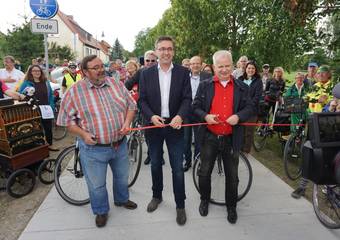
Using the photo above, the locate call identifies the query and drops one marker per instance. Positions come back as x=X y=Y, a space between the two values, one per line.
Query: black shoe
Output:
x=232 y=215
x=299 y=192
x=153 y=204
x=204 y=208
x=128 y=205
x=187 y=166
x=147 y=160
x=181 y=217
x=101 y=220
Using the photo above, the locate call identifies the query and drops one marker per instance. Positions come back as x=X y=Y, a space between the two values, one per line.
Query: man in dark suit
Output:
x=165 y=97
x=196 y=76
x=222 y=102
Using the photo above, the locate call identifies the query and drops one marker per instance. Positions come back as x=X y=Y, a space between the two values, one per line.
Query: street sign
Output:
x=45 y=9
x=48 y=26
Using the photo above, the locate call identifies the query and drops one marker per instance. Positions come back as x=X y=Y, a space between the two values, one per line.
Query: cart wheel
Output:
x=20 y=183
x=46 y=171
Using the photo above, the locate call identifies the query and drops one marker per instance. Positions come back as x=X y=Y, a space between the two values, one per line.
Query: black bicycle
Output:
x=245 y=175
x=69 y=177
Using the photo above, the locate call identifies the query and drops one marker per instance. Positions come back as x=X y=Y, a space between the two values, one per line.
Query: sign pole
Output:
x=46 y=56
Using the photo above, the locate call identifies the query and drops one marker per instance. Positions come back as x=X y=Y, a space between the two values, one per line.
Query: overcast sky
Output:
x=122 y=18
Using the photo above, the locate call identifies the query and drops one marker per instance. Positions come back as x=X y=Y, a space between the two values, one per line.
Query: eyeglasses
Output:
x=169 y=49
x=150 y=60
x=97 y=68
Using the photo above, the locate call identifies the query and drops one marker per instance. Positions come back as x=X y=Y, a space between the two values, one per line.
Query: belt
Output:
x=112 y=144
x=220 y=136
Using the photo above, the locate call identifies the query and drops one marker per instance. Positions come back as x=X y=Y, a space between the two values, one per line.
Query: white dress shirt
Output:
x=164 y=84
x=195 y=81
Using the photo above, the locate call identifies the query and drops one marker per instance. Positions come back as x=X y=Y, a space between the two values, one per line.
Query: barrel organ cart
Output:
x=22 y=149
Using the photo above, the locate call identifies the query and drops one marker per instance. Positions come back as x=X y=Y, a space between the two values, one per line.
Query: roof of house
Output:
x=83 y=35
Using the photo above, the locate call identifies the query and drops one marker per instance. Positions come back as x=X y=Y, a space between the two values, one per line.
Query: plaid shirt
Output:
x=100 y=110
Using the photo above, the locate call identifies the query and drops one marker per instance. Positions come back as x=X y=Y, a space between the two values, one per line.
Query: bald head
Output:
x=195 y=65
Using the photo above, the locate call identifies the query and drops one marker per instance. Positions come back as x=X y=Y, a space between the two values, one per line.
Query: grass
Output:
x=272 y=157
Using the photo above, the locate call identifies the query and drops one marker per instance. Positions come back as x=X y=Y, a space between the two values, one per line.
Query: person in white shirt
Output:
x=9 y=75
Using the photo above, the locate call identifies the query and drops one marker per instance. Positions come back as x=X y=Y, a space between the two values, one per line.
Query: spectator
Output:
x=35 y=77
x=131 y=68
x=251 y=77
x=71 y=77
x=266 y=76
x=240 y=67
x=196 y=76
x=208 y=69
x=4 y=90
x=310 y=78
x=275 y=88
x=9 y=75
x=186 y=63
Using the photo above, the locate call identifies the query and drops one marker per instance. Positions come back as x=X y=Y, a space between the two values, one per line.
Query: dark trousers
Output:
x=249 y=135
x=174 y=140
x=47 y=126
x=211 y=147
x=187 y=143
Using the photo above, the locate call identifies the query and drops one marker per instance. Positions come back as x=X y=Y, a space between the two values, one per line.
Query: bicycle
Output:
x=245 y=175
x=326 y=204
x=292 y=155
x=59 y=132
x=262 y=132
x=69 y=177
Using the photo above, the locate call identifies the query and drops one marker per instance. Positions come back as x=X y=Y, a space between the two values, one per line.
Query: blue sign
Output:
x=44 y=8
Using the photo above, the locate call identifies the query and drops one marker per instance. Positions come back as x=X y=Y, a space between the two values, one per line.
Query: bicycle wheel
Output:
x=59 y=132
x=46 y=171
x=135 y=158
x=260 y=138
x=20 y=183
x=245 y=175
x=326 y=204
x=292 y=157
x=69 y=178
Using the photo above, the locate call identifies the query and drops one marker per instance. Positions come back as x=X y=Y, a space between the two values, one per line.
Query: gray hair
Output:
x=221 y=54
x=150 y=52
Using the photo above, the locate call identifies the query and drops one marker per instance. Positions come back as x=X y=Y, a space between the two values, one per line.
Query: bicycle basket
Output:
x=294 y=105
x=282 y=118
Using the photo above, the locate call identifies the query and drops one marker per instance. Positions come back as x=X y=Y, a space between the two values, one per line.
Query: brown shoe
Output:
x=128 y=205
x=101 y=220
x=153 y=204
x=181 y=217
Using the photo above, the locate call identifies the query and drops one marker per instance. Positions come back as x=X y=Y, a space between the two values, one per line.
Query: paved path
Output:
x=267 y=212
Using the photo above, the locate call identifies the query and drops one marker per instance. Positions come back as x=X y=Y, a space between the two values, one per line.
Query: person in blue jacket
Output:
x=36 y=78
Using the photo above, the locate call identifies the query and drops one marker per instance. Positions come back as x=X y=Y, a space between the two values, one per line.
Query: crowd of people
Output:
x=99 y=104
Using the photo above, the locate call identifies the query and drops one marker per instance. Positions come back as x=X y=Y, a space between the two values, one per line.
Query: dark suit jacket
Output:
x=255 y=92
x=242 y=107
x=150 y=94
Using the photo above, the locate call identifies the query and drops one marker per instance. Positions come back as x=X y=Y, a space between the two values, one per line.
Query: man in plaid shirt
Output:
x=99 y=110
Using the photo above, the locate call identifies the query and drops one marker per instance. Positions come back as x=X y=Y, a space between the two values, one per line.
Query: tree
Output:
x=117 y=50
x=23 y=45
x=56 y=51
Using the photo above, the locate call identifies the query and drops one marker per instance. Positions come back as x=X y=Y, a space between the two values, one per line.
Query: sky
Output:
x=122 y=18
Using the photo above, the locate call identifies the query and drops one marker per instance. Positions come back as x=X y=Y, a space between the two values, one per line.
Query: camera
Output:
x=321 y=152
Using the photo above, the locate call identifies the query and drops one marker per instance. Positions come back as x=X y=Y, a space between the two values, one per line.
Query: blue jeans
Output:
x=94 y=160
x=174 y=141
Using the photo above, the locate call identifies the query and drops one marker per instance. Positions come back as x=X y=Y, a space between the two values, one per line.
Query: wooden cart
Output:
x=22 y=148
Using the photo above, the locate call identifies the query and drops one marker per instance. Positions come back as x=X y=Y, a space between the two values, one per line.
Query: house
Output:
x=81 y=42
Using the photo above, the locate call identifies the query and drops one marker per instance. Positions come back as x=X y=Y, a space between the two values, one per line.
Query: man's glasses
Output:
x=150 y=60
x=169 y=49
x=97 y=68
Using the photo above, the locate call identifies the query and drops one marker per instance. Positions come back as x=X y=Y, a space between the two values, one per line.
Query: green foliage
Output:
x=22 y=44
x=56 y=51
x=117 y=51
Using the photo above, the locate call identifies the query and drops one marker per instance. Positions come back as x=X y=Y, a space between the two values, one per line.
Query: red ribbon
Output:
x=198 y=124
